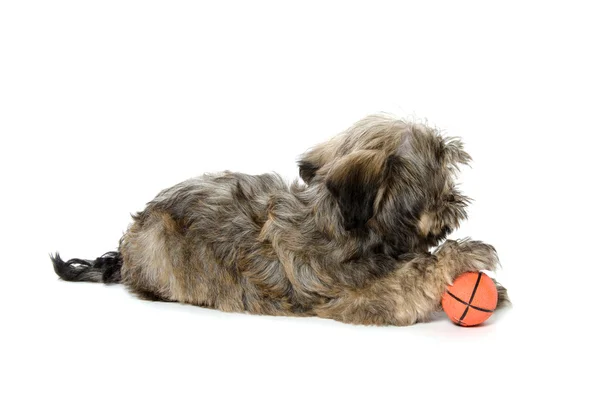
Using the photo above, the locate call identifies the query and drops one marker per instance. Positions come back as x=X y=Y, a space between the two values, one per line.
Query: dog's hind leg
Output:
x=146 y=247
x=161 y=262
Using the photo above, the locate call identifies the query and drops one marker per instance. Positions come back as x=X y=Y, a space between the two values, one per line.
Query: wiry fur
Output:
x=352 y=243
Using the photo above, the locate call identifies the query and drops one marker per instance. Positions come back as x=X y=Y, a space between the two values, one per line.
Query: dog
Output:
x=361 y=240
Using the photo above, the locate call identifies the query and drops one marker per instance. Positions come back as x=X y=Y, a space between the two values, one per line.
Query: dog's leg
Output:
x=413 y=291
x=468 y=255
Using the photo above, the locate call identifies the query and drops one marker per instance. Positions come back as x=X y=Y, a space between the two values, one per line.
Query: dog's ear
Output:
x=354 y=181
x=307 y=169
x=314 y=159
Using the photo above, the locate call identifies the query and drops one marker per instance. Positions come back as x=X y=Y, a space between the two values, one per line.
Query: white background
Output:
x=103 y=104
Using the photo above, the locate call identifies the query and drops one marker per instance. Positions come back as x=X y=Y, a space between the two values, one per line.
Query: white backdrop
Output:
x=103 y=104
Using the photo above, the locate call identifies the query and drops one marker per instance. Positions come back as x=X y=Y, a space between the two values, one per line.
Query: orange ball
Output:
x=471 y=299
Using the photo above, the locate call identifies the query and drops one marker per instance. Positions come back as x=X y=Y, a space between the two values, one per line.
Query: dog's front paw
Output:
x=503 y=299
x=467 y=255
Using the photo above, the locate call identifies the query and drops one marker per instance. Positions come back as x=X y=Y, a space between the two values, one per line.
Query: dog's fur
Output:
x=352 y=243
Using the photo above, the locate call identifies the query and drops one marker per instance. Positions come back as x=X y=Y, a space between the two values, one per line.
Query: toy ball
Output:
x=471 y=299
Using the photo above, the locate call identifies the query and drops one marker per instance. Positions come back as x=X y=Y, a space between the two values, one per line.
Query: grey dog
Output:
x=355 y=242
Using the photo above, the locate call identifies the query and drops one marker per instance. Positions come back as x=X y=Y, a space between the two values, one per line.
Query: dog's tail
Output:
x=105 y=269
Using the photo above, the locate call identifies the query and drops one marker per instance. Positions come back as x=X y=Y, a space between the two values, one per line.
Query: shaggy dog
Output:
x=352 y=243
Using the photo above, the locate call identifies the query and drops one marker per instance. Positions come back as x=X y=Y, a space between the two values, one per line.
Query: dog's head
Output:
x=391 y=178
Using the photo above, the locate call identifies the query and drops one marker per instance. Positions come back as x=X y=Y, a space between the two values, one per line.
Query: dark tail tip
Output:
x=106 y=269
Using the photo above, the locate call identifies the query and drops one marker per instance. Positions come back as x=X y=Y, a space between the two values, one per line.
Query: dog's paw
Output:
x=478 y=255
x=503 y=299
x=467 y=256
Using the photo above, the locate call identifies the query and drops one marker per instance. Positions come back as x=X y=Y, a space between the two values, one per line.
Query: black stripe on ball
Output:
x=460 y=321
